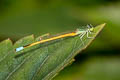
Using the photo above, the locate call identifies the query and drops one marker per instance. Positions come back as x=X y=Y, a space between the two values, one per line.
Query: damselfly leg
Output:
x=81 y=36
x=88 y=35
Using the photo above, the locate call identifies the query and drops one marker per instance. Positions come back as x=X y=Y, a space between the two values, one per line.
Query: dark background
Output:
x=100 y=61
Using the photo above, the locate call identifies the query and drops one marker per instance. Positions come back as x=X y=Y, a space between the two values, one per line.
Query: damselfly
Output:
x=79 y=32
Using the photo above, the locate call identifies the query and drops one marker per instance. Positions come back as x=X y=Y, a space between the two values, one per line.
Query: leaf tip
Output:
x=103 y=24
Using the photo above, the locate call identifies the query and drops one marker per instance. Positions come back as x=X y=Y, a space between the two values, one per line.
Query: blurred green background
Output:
x=100 y=61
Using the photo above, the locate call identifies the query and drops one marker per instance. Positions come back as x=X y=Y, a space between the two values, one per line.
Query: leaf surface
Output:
x=40 y=62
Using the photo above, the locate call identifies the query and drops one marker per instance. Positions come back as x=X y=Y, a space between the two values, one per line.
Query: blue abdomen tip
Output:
x=19 y=49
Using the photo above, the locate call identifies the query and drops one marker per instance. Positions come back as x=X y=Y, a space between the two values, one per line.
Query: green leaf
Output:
x=40 y=62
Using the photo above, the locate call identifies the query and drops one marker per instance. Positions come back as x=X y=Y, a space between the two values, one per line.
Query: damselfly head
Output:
x=90 y=27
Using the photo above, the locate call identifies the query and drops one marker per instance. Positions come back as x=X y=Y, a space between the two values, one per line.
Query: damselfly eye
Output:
x=91 y=29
